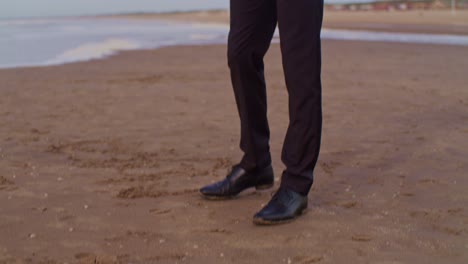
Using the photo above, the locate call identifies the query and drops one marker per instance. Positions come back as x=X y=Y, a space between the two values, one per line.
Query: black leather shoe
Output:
x=237 y=181
x=284 y=206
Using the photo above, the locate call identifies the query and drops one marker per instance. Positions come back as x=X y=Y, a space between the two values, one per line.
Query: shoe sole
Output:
x=220 y=198
x=263 y=222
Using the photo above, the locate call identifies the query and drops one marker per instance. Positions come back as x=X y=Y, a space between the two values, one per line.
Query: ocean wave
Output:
x=95 y=50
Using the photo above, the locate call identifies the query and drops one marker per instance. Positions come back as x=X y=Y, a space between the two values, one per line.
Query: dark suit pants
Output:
x=253 y=23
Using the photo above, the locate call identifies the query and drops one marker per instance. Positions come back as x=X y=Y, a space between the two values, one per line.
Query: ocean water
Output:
x=41 y=42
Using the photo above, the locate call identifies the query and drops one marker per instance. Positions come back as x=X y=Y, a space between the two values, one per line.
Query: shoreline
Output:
x=118 y=52
x=339 y=22
x=415 y=21
x=409 y=21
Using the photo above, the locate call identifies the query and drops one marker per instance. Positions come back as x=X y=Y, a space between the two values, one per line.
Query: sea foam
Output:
x=95 y=50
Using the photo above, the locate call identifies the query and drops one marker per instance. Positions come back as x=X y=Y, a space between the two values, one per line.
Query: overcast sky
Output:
x=41 y=8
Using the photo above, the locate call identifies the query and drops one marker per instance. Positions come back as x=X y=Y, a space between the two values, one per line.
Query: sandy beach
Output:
x=100 y=161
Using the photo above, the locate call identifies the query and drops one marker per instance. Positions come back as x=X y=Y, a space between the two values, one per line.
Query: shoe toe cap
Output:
x=207 y=190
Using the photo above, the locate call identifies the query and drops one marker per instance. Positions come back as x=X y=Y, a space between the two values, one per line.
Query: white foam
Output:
x=94 y=51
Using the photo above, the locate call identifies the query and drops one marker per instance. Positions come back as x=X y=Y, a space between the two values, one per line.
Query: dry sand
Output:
x=100 y=161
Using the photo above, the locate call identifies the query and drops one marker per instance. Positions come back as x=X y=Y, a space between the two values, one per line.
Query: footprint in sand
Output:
x=4 y=181
x=307 y=259
x=159 y=211
x=6 y=184
x=329 y=167
x=361 y=238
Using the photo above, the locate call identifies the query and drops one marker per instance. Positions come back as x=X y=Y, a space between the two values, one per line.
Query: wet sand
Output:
x=100 y=161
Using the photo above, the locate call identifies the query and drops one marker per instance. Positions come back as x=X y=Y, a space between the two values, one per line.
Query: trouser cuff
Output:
x=296 y=183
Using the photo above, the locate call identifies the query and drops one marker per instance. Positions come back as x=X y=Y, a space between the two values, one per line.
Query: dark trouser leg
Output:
x=252 y=26
x=300 y=22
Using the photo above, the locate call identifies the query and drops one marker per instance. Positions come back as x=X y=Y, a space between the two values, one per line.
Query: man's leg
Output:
x=300 y=23
x=253 y=23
